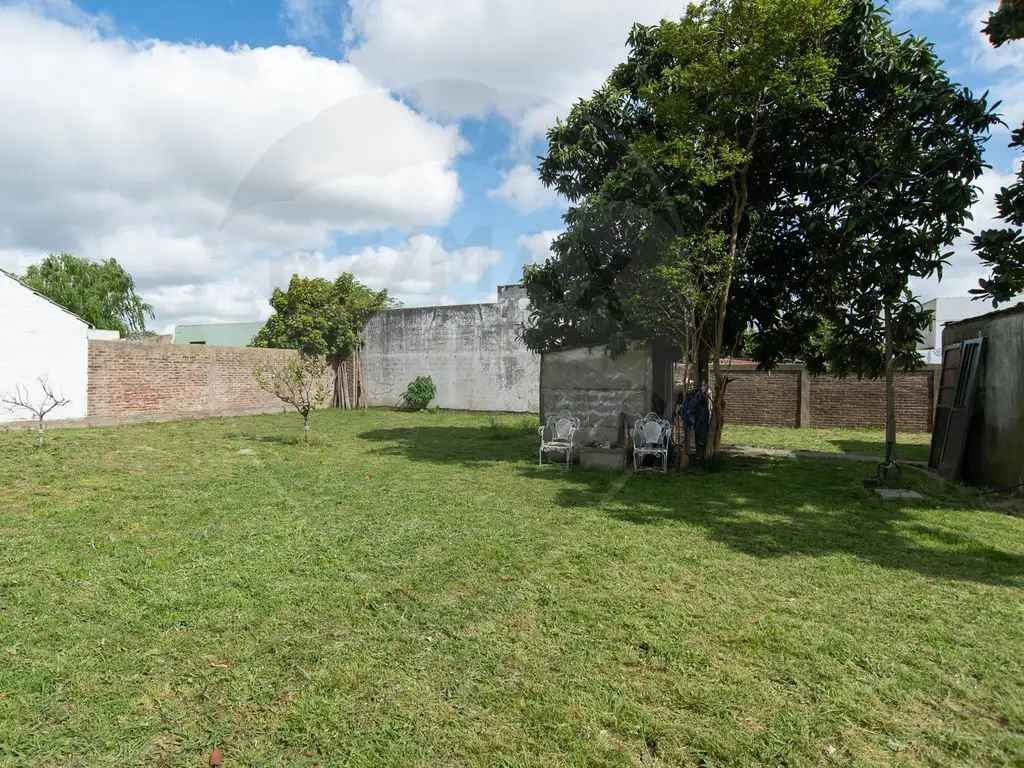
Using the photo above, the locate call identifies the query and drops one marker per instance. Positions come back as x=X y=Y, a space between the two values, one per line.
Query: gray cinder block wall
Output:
x=471 y=352
x=995 y=438
x=597 y=388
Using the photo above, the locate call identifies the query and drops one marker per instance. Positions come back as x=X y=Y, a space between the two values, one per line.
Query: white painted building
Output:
x=39 y=338
x=949 y=309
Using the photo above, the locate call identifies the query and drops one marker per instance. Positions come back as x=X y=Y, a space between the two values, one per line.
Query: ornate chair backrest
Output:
x=650 y=430
x=563 y=426
x=653 y=432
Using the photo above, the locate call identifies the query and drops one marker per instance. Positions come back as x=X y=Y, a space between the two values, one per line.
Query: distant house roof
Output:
x=65 y=310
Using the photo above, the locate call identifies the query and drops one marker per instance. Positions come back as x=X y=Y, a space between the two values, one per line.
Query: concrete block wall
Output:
x=995 y=438
x=597 y=388
x=471 y=352
x=789 y=397
x=161 y=382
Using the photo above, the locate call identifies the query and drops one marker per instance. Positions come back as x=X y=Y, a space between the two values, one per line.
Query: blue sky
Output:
x=393 y=138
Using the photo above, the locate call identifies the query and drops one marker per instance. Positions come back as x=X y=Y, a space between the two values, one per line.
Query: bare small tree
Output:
x=300 y=382
x=21 y=397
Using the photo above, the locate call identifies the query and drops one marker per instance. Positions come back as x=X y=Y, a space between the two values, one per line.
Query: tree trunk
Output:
x=40 y=431
x=305 y=426
x=703 y=365
x=717 y=416
x=721 y=378
x=890 y=389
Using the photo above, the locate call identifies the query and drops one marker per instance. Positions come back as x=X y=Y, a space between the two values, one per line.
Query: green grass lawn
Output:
x=413 y=591
x=910 y=446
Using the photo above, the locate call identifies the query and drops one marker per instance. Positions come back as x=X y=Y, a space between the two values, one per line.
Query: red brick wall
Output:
x=762 y=399
x=861 y=403
x=154 y=382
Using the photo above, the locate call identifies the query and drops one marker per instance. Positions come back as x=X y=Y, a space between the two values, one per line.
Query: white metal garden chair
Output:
x=559 y=436
x=650 y=438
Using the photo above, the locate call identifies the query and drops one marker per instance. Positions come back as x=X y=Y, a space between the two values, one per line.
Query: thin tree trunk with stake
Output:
x=890 y=389
x=22 y=399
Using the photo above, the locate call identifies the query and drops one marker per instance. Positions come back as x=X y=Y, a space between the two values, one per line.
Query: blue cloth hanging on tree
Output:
x=695 y=413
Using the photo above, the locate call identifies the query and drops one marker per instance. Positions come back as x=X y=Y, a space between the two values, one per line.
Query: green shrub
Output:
x=420 y=392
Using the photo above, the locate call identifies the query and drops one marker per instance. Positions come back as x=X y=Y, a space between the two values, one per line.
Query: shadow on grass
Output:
x=904 y=452
x=761 y=506
x=778 y=507
x=454 y=445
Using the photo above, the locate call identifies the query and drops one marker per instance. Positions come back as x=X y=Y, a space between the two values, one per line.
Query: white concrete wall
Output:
x=949 y=309
x=38 y=338
x=470 y=351
x=95 y=334
x=930 y=336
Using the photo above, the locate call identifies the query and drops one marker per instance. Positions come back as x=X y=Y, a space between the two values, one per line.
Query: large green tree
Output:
x=897 y=155
x=756 y=209
x=1002 y=250
x=101 y=293
x=320 y=317
x=659 y=166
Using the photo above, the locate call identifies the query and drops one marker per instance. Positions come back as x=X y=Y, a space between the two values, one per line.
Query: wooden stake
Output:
x=344 y=384
x=362 y=382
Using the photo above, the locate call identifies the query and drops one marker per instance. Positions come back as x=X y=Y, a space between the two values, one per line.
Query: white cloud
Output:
x=522 y=189
x=914 y=6
x=421 y=266
x=419 y=272
x=223 y=301
x=965 y=268
x=1001 y=70
x=530 y=60
x=141 y=150
x=305 y=19
x=537 y=248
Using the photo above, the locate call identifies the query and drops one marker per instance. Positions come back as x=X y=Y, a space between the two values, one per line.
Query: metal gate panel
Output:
x=958 y=385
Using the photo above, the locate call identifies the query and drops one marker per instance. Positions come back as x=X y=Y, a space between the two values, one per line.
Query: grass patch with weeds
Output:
x=411 y=590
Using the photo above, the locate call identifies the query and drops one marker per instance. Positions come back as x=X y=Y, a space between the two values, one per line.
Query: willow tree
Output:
x=101 y=293
x=320 y=317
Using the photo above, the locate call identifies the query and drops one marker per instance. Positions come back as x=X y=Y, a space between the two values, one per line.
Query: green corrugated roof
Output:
x=218 y=334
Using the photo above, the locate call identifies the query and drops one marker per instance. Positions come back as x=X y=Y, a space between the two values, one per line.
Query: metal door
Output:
x=958 y=385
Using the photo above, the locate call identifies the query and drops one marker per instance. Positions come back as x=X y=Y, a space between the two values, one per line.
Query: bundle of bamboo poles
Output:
x=344 y=396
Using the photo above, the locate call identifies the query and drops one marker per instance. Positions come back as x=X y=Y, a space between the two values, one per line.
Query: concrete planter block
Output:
x=894 y=494
x=602 y=458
